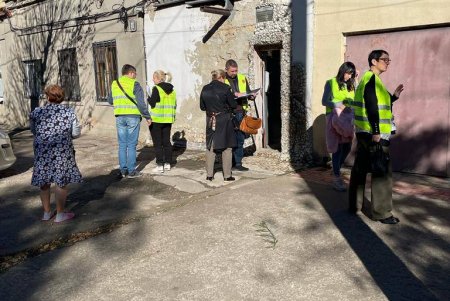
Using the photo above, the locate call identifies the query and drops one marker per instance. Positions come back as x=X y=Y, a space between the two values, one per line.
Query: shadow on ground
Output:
x=408 y=239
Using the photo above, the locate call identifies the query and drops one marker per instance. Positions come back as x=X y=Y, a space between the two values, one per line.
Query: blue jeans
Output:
x=339 y=156
x=238 y=152
x=127 y=134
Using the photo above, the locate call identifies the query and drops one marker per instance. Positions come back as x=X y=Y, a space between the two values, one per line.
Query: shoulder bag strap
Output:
x=129 y=97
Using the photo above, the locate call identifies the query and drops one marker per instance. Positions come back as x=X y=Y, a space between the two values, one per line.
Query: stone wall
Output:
x=295 y=137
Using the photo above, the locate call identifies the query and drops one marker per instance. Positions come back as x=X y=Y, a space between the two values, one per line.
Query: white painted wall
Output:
x=169 y=38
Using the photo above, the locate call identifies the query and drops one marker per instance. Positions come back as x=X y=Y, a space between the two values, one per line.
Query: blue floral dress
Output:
x=54 y=155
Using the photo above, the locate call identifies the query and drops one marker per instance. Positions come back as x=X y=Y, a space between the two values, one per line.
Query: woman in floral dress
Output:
x=53 y=126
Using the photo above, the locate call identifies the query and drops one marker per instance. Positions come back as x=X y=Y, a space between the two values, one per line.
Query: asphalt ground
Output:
x=273 y=234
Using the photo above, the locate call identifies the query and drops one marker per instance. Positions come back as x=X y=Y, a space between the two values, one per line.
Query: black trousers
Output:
x=161 y=142
x=381 y=185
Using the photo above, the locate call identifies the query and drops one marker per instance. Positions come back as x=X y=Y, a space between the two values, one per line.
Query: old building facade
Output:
x=286 y=48
x=80 y=45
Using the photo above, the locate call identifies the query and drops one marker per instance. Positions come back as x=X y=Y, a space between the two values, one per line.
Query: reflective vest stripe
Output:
x=385 y=121
x=123 y=105
x=167 y=107
x=164 y=110
x=339 y=95
x=384 y=106
x=380 y=107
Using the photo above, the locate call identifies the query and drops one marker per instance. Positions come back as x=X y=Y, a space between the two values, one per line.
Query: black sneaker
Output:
x=240 y=168
x=134 y=174
x=391 y=220
x=229 y=179
x=122 y=174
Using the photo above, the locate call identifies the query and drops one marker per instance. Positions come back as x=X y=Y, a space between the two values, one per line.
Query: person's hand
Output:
x=237 y=94
x=376 y=138
x=149 y=122
x=398 y=91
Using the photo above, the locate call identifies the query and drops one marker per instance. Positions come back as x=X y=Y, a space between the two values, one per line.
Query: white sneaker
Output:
x=158 y=169
x=339 y=185
x=166 y=166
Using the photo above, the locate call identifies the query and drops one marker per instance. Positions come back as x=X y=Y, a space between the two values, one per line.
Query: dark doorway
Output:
x=272 y=98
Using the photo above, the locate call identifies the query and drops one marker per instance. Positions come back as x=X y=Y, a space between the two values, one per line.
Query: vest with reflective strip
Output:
x=339 y=95
x=164 y=110
x=122 y=105
x=384 y=106
x=242 y=86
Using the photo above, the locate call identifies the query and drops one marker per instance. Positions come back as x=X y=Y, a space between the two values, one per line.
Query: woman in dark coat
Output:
x=218 y=101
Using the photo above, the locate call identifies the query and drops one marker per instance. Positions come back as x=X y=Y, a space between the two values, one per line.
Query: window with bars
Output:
x=68 y=74
x=105 y=64
x=33 y=78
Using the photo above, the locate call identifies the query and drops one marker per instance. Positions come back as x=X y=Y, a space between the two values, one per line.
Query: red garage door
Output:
x=421 y=61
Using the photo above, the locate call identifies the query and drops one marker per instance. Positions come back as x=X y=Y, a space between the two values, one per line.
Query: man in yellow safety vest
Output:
x=239 y=86
x=373 y=124
x=127 y=97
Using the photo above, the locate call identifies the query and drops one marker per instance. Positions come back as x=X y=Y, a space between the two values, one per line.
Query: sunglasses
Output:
x=385 y=59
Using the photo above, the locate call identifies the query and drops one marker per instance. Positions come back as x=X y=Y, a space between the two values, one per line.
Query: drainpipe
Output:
x=309 y=60
x=145 y=51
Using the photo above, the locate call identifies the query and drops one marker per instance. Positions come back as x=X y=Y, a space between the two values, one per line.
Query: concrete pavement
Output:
x=271 y=235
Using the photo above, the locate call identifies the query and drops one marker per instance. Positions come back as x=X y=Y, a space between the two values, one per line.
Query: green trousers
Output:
x=381 y=185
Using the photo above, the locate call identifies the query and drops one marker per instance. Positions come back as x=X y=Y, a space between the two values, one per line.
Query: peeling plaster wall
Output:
x=173 y=38
x=94 y=116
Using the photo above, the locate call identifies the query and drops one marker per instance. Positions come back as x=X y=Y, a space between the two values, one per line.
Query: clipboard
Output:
x=249 y=94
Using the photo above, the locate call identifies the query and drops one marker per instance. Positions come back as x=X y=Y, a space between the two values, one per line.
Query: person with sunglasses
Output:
x=373 y=123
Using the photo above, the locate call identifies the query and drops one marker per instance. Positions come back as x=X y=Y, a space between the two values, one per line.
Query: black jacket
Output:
x=217 y=99
x=154 y=98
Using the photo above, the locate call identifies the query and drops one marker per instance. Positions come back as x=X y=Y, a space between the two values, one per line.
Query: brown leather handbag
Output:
x=250 y=125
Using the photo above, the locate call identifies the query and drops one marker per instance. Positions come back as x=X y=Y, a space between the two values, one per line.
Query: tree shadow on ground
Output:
x=388 y=269
x=38 y=274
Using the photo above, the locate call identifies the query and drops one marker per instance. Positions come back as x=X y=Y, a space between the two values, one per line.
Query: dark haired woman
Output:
x=54 y=126
x=338 y=93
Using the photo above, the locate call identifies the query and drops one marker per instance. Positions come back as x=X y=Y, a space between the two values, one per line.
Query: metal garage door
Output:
x=421 y=61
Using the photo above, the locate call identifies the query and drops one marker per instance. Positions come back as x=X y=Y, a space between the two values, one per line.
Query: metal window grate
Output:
x=33 y=78
x=105 y=64
x=68 y=74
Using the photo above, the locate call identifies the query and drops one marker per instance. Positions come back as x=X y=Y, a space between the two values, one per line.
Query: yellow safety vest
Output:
x=242 y=87
x=339 y=95
x=384 y=106
x=122 y=105
x=164 y=110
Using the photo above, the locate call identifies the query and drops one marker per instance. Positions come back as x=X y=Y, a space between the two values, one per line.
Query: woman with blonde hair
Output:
x=54 y=126
x=218 y=101
x=163 y=103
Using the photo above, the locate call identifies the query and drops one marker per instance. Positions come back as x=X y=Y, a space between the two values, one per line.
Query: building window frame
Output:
x=69 y=78
x=33 y=78
x=105 y=67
